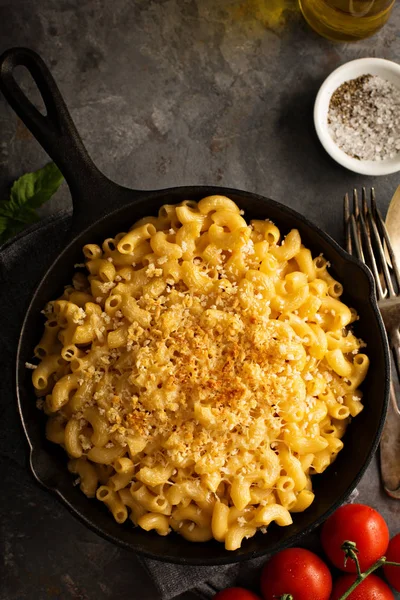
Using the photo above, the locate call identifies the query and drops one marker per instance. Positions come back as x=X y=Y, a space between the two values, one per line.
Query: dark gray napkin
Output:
x=23 y=261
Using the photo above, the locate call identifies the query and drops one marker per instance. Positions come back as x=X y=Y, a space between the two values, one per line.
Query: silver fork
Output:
x=368 y=239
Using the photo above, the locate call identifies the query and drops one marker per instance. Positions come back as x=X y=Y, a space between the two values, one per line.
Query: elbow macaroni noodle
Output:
x=200 y=372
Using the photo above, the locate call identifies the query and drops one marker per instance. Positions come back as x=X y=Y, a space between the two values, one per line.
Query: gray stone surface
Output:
x=165 y=93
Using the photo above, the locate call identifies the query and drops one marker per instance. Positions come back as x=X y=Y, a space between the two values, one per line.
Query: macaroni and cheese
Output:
x=199 y=372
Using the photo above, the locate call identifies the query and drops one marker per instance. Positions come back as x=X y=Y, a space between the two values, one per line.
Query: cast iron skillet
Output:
x=101 y=209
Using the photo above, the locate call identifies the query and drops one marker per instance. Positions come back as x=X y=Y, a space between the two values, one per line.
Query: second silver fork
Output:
x=367 y=238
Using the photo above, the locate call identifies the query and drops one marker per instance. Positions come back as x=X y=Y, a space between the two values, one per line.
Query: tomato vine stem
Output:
x=350 y=551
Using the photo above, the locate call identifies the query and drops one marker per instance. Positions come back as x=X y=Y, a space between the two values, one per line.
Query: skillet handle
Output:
x=55 y=131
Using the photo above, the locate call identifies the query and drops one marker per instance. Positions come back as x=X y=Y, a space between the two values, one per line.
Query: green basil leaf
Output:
x=28 y=193
x=34 y=189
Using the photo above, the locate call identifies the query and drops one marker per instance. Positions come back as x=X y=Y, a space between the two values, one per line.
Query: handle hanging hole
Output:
x=27 y=84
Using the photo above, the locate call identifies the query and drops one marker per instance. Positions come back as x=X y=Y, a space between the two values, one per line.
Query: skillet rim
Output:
x=141 y=197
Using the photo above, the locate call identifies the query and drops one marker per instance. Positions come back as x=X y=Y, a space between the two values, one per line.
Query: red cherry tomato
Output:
x=236 y=593
x=298 y=572
x=360 y=524
x=372 y=588
x=392 y=574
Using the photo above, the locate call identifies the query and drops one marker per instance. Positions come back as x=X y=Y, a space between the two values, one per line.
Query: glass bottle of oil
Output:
x=346 y=20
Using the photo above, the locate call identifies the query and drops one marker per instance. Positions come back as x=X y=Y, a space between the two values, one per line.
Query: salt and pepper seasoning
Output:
x=364 y=118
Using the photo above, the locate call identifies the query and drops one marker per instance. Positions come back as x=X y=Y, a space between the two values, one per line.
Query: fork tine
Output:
x=356 y=206
x=367 y=236
x=381 y=252
x=347 y=228
x=374 y=205
x=356 y=239
x=365 y=207
x=356 y=232
x=385 y=233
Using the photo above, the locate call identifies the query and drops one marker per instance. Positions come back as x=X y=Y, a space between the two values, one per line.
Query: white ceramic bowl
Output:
x=364 y=66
